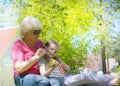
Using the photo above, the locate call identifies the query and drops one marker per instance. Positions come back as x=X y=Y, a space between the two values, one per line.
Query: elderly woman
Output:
x=26 y=52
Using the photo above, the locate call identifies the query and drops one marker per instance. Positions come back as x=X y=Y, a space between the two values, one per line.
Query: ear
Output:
x=25 y=34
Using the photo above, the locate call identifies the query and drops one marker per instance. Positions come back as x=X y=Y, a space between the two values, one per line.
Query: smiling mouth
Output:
x=51 y=55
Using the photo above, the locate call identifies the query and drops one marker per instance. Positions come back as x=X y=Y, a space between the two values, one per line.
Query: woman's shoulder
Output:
x=17 y=42
x=39 y=43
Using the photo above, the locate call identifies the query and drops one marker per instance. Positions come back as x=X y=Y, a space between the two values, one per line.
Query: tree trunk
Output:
x=103 y=51
x=103 y=58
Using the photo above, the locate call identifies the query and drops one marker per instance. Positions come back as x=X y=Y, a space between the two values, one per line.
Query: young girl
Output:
x=56 y=70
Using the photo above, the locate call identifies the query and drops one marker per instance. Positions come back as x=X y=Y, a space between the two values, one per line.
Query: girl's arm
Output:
x=63 y=67
x=47 y=71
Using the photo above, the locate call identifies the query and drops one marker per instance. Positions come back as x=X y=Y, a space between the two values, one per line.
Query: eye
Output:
x=54 y=50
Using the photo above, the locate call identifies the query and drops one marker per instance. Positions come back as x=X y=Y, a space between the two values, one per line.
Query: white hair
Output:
x=29 y=23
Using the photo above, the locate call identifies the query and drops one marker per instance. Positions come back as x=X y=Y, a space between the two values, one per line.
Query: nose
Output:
x=53 y=51
x=37 y=36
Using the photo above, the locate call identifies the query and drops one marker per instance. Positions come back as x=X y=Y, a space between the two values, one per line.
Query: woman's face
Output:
x=33 y=35
x=52 y=50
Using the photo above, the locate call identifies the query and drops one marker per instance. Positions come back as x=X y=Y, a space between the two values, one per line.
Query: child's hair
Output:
x=47 y=44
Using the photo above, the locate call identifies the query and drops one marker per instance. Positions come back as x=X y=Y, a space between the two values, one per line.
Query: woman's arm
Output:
x=25 y=65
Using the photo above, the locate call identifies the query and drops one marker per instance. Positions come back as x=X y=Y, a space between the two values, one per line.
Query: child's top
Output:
x=55 y=72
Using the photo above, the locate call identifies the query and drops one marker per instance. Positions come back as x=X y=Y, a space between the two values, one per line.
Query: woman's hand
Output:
x=40 y=53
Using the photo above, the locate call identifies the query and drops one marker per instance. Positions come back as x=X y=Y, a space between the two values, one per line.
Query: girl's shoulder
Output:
x=42 y=61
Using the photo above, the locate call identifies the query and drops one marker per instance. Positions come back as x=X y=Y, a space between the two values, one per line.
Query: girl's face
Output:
x=52 y=50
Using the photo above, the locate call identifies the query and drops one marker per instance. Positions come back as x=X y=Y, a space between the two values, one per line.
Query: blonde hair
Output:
x=29 y=23
x=47 y=44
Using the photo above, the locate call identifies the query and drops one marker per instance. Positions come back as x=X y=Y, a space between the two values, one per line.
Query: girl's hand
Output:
x=53 y=63
x=63 y=68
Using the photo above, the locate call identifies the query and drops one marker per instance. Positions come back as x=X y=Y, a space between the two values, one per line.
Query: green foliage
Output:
x=117 y=69
x=64 y=21
x=69 y=21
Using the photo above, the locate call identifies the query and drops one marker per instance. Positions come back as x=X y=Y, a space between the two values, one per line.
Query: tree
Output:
x=71 y=23
x=106 y=25
x=65 y=21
